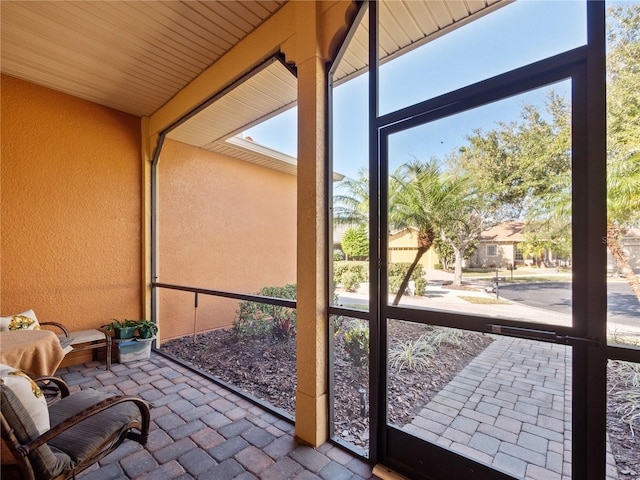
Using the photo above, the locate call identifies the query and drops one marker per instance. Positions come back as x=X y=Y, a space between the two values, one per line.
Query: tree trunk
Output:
x=405 y=281
x=457 y=271
x=613 y=242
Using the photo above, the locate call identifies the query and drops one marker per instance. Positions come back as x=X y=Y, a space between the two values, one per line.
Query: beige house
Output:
x=631 y=247
x=498 y=246
x=403 y=246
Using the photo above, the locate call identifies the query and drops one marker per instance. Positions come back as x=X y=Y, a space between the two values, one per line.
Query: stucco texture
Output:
x=223 y=224
x=403 y=247
x=71 y=202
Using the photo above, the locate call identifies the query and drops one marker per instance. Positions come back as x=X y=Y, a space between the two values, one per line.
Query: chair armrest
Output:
x=54 y=388
x=82 y=415
x=59 y=325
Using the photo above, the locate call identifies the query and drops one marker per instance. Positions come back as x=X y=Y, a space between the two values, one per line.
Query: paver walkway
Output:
x=511 y=408
x=200 y=430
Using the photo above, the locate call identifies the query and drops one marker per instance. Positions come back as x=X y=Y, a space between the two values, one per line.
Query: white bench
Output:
x=84 y=340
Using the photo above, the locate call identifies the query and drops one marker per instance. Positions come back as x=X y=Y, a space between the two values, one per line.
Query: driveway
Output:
x=623 y=307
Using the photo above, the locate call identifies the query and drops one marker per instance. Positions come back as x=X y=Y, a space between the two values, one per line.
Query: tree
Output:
x=623 y=210
x=623 y=133
x=470 y=211
x=355 y=242
x=535 y=246
x=446 y=255
x=352 y=206
x=623 y=81
x=527 y=163
x=462 y=225
x=419 y=196
x=444 y=252
x=518 y=162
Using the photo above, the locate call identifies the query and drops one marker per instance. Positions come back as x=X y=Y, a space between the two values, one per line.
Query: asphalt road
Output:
x=622 y=305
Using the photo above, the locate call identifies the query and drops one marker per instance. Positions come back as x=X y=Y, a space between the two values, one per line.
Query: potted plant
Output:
x=146 y=329
x=122 y=329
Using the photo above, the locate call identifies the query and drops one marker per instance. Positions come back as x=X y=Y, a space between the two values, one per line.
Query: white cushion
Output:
x=29 y=394
x=20 y=321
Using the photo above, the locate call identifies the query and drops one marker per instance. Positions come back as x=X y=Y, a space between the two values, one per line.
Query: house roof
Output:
x=504 y=232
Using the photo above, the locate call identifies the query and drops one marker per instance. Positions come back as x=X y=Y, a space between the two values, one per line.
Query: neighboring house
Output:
x=499 y=246
x=403 y=246
x=631 y=247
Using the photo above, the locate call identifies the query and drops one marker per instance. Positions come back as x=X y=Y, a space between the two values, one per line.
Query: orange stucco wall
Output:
x=71 y=204
x=224 y=224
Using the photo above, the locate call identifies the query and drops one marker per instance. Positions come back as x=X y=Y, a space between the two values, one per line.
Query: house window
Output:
x=519 y=254
x=492 y=250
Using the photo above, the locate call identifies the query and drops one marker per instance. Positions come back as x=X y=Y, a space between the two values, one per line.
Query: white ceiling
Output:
x=134 y=56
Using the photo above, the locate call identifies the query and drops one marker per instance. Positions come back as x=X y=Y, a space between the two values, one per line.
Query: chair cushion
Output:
x=20 y=321
x=85 y=336
x=82 y=440
x=29 y=394
x=46 y=462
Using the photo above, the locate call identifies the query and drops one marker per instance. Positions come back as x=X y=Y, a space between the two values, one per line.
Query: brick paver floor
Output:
x=511 y=408
x=200 y=430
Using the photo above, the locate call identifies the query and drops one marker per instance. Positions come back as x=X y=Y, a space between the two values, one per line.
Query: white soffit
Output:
x=267 y=92
x=135 y=55
x=408 y=24
x=132 y=56
x=248 y=151
x=270 y=90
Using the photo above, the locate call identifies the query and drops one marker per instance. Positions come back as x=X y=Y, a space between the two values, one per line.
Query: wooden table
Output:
x=37 y=352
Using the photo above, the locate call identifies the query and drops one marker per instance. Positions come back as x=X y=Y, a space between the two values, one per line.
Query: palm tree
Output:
x=623 y=210
x=352 y=207
x=623 y=133
x=420 y=196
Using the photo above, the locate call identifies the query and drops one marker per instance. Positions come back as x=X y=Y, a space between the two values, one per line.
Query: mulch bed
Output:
x=625 y=442
x=266 y=368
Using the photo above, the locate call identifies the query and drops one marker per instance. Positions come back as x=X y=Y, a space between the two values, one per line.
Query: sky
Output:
x=515 y=35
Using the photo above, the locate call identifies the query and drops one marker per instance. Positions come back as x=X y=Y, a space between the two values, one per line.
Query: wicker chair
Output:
x=85 y=427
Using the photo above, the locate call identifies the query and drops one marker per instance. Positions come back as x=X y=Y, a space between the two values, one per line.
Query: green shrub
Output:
x=356 y=343
x=412 y=354
x=259 y=319
x=350 y=274
x=447 y=336
x=337 y=321
x=400 y=270
x=252 y=321
x=421 y=286
x=626 y=391
x=627 y=373
x=350 y=281
x=394 y=283
x=283 y=327
x=355 y=242
x=629 y=406
x=397 y=271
